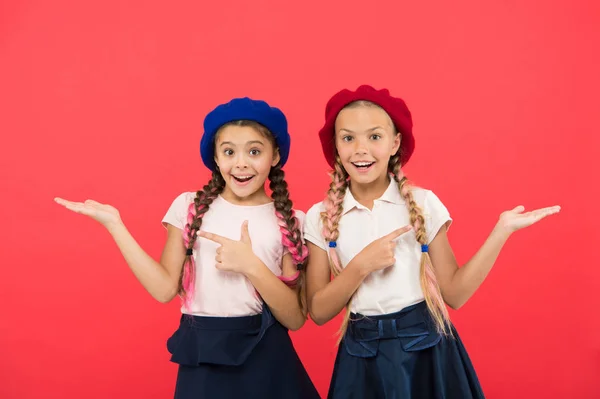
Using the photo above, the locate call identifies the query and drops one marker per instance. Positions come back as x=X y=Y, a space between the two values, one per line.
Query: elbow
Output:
x=164 y=299
x=319 y=322
x=454 y=303
x=296 y=325
x=317 y=319
x=166 y=295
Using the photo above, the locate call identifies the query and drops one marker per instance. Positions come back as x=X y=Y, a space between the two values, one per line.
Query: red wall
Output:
x=105 y=100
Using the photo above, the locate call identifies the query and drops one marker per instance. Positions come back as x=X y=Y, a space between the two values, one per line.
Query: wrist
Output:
x=501 y=231
x=361 y=268
x=252 y=267
x=115 y=227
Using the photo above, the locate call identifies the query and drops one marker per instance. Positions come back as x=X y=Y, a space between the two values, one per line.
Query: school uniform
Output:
x=391 y=348
x=229 y=344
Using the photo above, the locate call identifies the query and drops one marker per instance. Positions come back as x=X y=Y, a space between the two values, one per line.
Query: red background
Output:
x=105 y=100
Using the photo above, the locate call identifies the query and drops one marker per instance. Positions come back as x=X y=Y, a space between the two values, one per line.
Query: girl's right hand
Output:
x=105 y=214
x=380 y=253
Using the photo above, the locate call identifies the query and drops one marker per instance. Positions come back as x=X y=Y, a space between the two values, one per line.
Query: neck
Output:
x=365 y=194
x=259 y=197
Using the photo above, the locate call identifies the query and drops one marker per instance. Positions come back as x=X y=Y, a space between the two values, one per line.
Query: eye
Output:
x=228 y=152
x=375 y=136
x=254 y=151
x=347 y=138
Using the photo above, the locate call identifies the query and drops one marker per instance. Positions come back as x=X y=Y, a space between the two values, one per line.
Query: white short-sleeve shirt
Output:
x=391 y=289
x=227 y=294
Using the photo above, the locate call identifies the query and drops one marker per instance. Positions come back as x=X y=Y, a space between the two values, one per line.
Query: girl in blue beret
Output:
x=394 y=271
x=236 y=258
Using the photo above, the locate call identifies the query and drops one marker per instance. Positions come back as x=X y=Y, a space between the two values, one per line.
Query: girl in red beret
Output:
x=235 y=256
x=386 y=244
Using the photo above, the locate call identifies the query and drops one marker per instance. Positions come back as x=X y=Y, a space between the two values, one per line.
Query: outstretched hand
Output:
x=232 y=255
x=517 y=219
x=105 y=214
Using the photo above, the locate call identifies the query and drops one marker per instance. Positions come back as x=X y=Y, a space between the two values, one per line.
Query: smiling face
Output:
x=244 y=155
x=365 y=139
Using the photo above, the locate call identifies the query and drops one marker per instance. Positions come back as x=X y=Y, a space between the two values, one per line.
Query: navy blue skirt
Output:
x=237 y=357
x=401 y=356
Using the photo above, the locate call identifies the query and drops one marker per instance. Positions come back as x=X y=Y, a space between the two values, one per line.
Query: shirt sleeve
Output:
x=436 y=215
x=177 y=213
x=312 y=227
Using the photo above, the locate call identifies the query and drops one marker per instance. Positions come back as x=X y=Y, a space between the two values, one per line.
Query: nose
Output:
x=240 y=162
x=360 y=146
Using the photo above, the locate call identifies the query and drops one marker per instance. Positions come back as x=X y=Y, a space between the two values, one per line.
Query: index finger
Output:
x=397 y=233
x=213 y=237
x=64 y=202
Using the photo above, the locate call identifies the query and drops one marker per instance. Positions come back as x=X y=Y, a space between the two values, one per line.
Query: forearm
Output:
x=468 y=279
x=281 y=299
x=150 y=273
x=331 y=299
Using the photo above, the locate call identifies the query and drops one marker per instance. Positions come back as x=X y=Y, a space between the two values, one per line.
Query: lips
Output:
x=242 y=180
x=363 y=166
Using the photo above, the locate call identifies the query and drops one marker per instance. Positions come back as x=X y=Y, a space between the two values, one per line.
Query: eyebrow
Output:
x=248 y=143
x=368 y=130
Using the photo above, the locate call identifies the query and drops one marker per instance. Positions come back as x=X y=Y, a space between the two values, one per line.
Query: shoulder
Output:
x=184 y=199
x=186 y=196
x=314 y=212
x=177 y=211
x=425 y=197
x=300 y=215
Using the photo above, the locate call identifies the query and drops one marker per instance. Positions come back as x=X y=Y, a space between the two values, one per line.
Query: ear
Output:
x=276 y=158
x=397 y=142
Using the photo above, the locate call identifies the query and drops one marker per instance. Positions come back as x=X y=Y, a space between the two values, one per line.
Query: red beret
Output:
x=395 y=107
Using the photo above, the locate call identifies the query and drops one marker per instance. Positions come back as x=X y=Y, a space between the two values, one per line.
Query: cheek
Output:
x=384 y=149
x=344 y=150
x=262 y=165
x=226 y=164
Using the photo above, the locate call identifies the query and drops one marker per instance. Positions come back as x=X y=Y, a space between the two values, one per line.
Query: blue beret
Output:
x=244 y=109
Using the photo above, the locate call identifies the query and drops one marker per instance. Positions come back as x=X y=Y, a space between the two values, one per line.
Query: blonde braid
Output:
x=429 y=284
x=330 y=219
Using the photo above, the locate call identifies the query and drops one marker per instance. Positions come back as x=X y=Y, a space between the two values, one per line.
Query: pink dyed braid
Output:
x=429 y=284
x=196 y=211
x=291 y=236
x=333 y=213
x=289 y=225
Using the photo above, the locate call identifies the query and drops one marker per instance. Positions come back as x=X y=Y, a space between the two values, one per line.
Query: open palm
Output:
x=517 y=219
x=102 y=213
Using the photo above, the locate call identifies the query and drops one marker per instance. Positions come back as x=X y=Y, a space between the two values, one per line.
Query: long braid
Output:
x=330 y=219
x=429 y=284
x=333 y=212
x=196 y=210
x=289 y=226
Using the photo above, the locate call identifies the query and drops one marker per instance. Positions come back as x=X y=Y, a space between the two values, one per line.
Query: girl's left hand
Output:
x=515 y=219
x=232 y=255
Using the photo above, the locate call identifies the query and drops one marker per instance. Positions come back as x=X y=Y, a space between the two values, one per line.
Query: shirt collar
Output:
x=391 y=195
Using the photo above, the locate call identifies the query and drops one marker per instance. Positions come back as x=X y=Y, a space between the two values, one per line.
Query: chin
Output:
x=363 y=179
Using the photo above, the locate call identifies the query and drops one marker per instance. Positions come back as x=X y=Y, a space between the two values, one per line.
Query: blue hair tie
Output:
x=189 y=252
x=424 y=248
x=332 y=244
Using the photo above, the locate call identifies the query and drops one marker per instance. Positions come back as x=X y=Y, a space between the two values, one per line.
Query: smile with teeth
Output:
x=362 y=164
x=242 y=179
